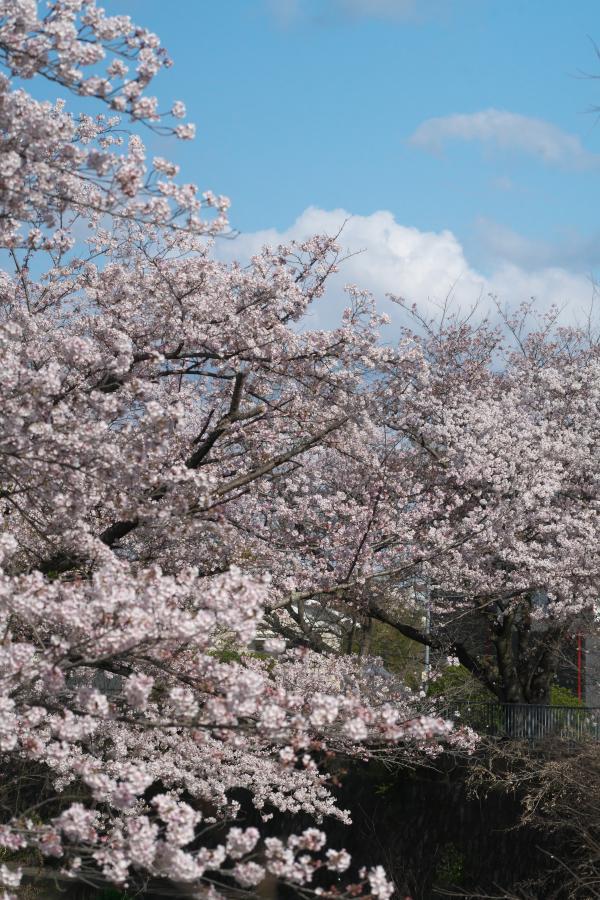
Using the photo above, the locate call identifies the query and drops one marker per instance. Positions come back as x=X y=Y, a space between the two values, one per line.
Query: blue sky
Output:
x=458 y=132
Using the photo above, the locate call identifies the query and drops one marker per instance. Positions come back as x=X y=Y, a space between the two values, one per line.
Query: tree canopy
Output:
x=186 y=467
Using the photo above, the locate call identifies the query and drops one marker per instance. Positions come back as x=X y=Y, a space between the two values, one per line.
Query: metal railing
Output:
x=525 y=721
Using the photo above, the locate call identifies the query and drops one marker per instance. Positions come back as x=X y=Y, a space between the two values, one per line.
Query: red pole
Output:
x=579 y=641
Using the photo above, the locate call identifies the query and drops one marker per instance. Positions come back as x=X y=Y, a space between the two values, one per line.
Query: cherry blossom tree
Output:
x=507 y=434
x=477 y=482
x=165 y=421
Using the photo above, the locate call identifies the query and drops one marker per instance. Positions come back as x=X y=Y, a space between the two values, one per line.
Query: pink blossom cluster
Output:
x=57 y=169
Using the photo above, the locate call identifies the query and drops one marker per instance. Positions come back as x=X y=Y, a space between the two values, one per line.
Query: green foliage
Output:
x=399 y=653
x=456 y=683
x=450 y=867
x=226 y=655
x=229 y=654
x=384 y=788
x=562 y=696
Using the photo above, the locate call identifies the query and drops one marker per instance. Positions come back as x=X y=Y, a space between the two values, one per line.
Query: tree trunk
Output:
x=503 y=639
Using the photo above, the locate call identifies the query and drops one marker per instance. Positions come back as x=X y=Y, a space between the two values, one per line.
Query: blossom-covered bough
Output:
x=161 y=412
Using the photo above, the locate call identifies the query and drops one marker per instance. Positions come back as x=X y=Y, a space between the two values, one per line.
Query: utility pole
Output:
x=427 y=624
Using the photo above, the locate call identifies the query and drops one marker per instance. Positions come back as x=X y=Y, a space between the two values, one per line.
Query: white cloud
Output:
x=287 y=11
x=507 y=131
x=390 y=9
x=568 y=249
x=420 y=266
x=401 y=10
